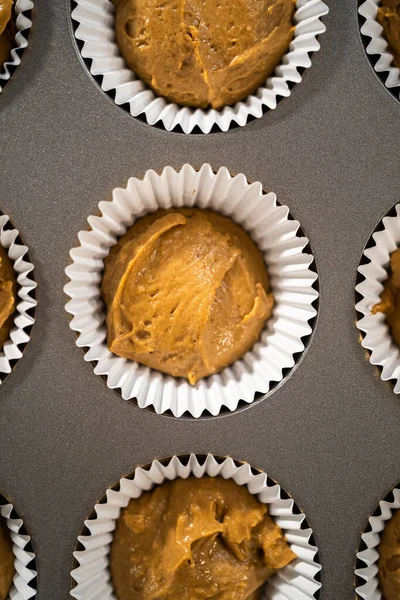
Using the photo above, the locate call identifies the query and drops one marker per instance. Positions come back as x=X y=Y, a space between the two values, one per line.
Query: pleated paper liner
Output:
x=22 y=17
x=24 y=582
x=372 y=274
x=376 y=47
x=366 y=573
x=24 y=316
x=292 y=279
x=93 y=23
x=300 y=580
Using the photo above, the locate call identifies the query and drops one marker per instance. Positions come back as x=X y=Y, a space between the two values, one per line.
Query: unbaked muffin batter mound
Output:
x=204 y=52
x=8 y=293
x=6 y=561
x=389 y=559
x=196 y=539
x=389 y=17
x=390 y=297
x=186 y=292
x=6 y=30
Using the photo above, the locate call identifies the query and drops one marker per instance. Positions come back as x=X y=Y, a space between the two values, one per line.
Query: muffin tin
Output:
x=329 y=434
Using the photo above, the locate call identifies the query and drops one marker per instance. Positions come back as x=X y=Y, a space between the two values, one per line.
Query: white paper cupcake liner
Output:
x=96 y=34
x=291 y=278
x=297 y=581
x=19 y=336
x=22 y=26
x=24 y=582
x=377 y=337
x=367 y=580
x=377 y=47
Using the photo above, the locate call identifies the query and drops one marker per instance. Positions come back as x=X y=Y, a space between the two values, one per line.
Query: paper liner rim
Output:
x=24 y=315
x=367 y=556
x=25 y=578
x=392 y=353
x=23 y=25
x=380 y=59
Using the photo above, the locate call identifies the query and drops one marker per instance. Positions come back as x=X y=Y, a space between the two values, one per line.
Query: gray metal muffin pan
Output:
x=330 y=433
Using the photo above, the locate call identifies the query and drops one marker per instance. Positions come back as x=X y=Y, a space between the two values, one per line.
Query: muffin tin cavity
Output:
x=94 y=24
x=293 y=282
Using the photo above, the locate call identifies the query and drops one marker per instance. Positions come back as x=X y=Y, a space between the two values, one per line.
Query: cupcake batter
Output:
x=390 y=297
x=389 y=559
x=6 y=30
x=186 y=293
x=389 y=17
x=8 y=291
x=196 y=539
x=6 y=561
x=204 y=52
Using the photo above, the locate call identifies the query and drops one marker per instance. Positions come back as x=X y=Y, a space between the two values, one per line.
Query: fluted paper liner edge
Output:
x=377 y=337
x=18 y=337
x=21 y=587
x=378 y=46
x=22 y=26
x=369 y=590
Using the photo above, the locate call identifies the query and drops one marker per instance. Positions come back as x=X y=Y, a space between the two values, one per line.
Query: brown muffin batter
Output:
x=8 y=292
x=390 y=297
x=186 y=293
x=6 y=30
x=389 y=559
x=6 y=561
x=196 y=539
x=204 y=52
x=389 y=17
